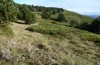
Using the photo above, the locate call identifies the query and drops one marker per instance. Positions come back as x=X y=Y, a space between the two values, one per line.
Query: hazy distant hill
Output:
x=93 y=16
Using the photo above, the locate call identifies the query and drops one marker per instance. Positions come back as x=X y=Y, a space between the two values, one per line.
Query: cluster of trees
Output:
x=61 y=17
x=25 y=14
x=46 y=15
x=96 y=25
x=8 y=11
x=93 y=26
x=53 y=10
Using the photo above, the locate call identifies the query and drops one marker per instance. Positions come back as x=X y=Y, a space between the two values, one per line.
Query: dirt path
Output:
x=19 y=29
x=22 y=35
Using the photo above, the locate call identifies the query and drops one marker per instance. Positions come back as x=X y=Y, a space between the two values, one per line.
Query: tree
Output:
x=30 y=18
x=61 y=17
x=20 y=15
x=26 y=14
x=8 y=11
x=46 y=15
x=95 y=25
x=73 y=23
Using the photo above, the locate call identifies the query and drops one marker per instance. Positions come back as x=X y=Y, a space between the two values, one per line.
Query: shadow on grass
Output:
x=20 y=22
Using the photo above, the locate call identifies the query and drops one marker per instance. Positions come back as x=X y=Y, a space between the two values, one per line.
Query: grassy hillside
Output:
x=32 y=48
x=48 y=41
x=73 y=19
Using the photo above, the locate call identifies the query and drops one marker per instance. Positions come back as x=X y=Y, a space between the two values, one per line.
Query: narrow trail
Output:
x=22 y=35
x=20 y=29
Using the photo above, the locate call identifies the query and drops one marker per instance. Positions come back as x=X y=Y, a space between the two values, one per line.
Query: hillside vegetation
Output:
x=6 y=31
x=54 y=29
x=36 y=35
x=31 y=48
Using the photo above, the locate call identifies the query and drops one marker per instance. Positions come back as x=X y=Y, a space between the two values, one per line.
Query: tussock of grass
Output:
x=6 y=30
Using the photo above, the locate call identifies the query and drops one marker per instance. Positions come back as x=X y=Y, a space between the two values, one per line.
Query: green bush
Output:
x=30 y=18
x=49 y=29
x=8 y=11
x=26 y=14
x=61 y=17
x=95 y=25
x=46 y=15
x=85 y=35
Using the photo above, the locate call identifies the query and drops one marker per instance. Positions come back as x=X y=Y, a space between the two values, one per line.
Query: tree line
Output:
x=25 y=11
x=53 y=10
x=10 y=11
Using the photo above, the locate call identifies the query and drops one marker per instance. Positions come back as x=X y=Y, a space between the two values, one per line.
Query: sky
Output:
x=87 y=7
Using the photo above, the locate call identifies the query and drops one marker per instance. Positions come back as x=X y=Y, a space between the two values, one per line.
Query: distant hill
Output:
x=93 y=16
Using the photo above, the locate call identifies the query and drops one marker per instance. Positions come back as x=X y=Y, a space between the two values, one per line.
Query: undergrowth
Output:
x=62 y=30
x=6 y=30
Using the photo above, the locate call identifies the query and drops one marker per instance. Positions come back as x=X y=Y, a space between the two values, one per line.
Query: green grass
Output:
x=6 y=31
x=85 y=35
x=73 y=19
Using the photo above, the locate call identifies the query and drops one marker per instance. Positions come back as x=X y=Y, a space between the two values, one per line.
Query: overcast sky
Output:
x=91 y=7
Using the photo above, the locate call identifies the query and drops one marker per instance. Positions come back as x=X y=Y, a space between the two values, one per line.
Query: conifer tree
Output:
x=61 y=17
x=8 y=11
x=26 y=14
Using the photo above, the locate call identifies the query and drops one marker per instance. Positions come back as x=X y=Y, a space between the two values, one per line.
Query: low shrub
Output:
x=54 y=29
x=51 y=29
x=85 y=35
x=30 y=18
